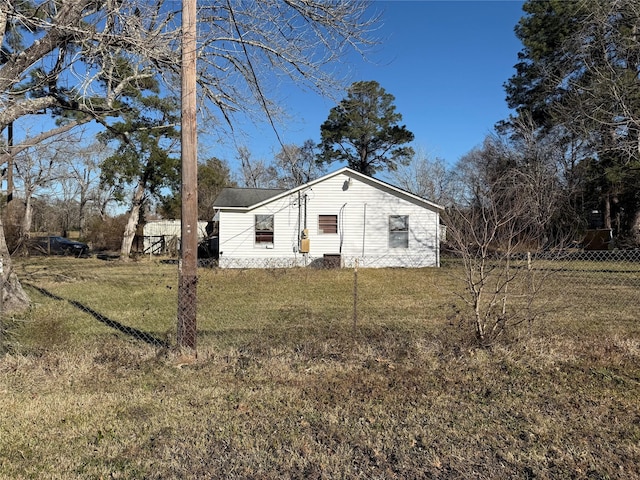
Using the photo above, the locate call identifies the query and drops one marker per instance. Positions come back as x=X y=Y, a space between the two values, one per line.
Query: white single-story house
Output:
x=341 y=218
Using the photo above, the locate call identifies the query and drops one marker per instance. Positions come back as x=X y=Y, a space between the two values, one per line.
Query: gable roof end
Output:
x=249 y=198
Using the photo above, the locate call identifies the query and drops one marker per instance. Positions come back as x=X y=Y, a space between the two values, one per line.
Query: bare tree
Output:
x=65 y=173
x=424 y=176
x=76 y=58
x=487 y=234
x=293 y=165
x=597 y=67
x=102 y=48
x=296 y=165
x=83 y=55
x=248 y=50
x=82 y=181
x=256 y=173
x=39 y=171
x=14 y=298
x=73 y=59
x=498 y=226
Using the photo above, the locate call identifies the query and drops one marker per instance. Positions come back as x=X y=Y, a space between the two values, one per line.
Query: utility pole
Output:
x=10 y=163
x=188 y=265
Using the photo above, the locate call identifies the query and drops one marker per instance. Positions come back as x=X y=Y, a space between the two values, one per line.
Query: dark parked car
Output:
x=60 y=246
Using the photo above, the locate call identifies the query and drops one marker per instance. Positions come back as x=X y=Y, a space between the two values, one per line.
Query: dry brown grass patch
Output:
x=284 y=387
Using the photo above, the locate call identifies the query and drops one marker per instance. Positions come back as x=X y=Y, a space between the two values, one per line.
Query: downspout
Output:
x=299 y=219
x=305 y=211
x=364 y=228
x=438 y=239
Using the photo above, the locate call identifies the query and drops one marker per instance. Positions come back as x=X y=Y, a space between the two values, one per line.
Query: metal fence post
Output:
x=355 y=295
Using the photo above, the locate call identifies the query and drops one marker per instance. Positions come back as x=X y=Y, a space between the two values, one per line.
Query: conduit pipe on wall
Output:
x=364 y=227
x=341 y=226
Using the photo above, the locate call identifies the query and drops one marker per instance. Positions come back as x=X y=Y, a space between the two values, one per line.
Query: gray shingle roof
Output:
x=244 y=197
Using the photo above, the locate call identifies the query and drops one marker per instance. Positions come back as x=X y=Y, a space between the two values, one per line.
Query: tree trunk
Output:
x=132 y=222
x=81 y=220
x=83 y=204
x=607 y=211
x=12 y=297
x=636 y=227
x=27 y=218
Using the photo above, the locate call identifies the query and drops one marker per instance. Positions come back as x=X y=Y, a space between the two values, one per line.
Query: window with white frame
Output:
x=327 y=224
x=264 y=229
x=398 y=231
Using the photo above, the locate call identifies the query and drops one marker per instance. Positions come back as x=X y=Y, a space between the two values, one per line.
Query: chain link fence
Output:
x=330 y=261
x=142 y=301
x=589 y=284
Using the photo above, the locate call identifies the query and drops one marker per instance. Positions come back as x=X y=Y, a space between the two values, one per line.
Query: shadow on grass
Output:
x=132 y=332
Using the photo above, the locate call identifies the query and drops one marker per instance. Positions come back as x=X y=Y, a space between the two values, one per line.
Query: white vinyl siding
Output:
x=362 y=209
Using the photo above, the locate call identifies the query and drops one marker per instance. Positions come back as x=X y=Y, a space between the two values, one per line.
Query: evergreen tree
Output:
x=213 y=176
x=363 y=131
x=145 y=135
x=577 y=78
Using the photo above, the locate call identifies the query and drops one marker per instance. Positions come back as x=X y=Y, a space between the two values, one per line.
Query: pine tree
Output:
x=363 y=131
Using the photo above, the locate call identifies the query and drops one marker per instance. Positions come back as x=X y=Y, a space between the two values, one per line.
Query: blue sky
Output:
x=444 y=61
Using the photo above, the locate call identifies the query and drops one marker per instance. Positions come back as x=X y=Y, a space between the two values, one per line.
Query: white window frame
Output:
x=398 y=233
x=258 y=233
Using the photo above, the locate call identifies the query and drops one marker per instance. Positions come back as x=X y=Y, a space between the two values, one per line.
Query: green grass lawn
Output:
x=285 y=387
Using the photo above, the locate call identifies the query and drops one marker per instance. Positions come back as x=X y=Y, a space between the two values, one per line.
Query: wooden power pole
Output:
x=10 y=163
x=188 y=266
